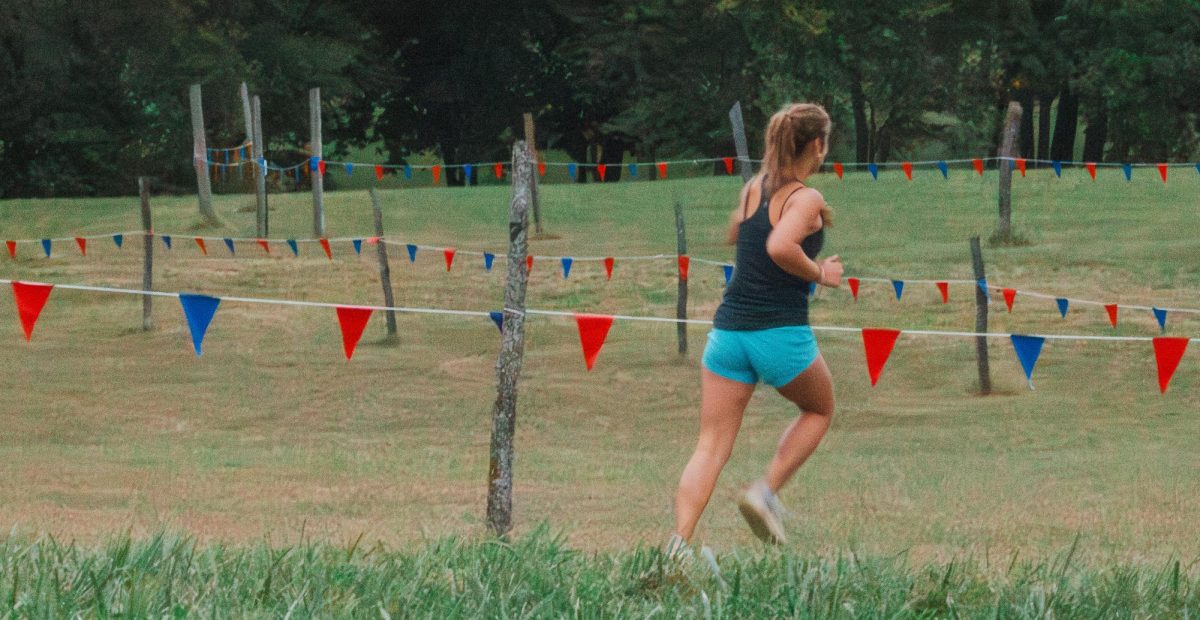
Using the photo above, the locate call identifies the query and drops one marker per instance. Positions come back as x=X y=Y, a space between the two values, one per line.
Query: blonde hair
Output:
x=789 y=132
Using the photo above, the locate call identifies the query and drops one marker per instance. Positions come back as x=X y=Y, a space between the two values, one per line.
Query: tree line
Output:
x=92 y=97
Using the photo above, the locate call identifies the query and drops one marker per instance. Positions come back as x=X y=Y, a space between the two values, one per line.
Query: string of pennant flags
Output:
x=566 y=263
x=593 y=329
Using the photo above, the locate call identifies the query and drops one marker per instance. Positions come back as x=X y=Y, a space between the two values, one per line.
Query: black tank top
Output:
x=762 y=295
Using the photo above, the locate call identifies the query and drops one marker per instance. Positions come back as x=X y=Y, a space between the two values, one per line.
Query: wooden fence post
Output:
x=318 y=183
x=200 y=155
x=512 y=348
x=262 y=221
x=739 y=141
x=385 y=272
x=1008 y=148
x=981 y=318
x=682 y=298
x=533 y=187
x=148 y=253
x=248 y=118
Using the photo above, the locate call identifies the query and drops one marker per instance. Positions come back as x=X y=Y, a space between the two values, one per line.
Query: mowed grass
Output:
x=272 y=432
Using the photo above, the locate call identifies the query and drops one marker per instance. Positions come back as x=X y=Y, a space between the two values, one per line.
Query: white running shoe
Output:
x=677 y=548
x=763 y=512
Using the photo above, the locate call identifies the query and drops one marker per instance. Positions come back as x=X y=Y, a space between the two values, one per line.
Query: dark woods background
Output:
x=91 y=97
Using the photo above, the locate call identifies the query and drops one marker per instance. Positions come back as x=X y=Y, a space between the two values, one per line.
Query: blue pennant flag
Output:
x=119 y=240
x=349 y=170
x=292 y=244
x=874 y=170
x=313 y=163
x=812 y=289
x=899 y=286
x=498 y=319
x=571 y=171
x=199 y=311
x=408 y=172
x=983 y=286
x=243 y=152
x=467 y=169
x=566 y=263
x=229 y=244
x=412 y=253
x=728 y=273
x=46 y=247
x=1063 y=304
x=633 y=169
x=1057 y=168
x=1198 y=168
x=1161 y=316
x=944 y=168
x=167 y=241
x=357 y=245
x=488 y=259
x=1128 y=168
x=1028 y=349
x=262 y=165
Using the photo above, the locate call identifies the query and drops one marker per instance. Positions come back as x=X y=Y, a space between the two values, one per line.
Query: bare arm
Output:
x=801 y=218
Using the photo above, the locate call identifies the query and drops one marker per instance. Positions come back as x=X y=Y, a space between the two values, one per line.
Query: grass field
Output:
x=272 y=432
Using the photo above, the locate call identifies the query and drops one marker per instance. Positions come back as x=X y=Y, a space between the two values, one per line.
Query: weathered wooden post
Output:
x=533 y=183
x=248 y=118
x=682 y=298
x=385 y=272
x=262 y=221
x=318 y=183
x=148 y=252
x=200 y=156
x=739 y=141
x=981 y=318
x=512 y=348
x=1008 y=149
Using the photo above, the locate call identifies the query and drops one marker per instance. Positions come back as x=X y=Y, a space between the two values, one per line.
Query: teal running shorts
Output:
x=774 y=356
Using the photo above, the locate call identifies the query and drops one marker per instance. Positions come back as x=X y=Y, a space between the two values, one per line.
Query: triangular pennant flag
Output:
x=46 y=247
x=82 y=243
x=1021 y=166
x=567 y=261
x=633 y=169
x=118 y=240
x=353 y=321
x=662 y=170
x=262 y=165
x=907 y=168
x=412 y=252
x=1112 y=313
x=488 y=259
x=1009 y=296
x=437 y=174
x=497 y=318
x=728 y=164
x=878 y=344
x=528 y=265
x=1167 y=353
x=571 y=171
x=1057 y=168
x=313 y=162
x=1162 y=172
x=1198 y=168
x=262 y=243
x=325 y=246
x=839 y=169
x=357 y=243
x=449 y=254
x=202 y=246
x=874 y=170
x=1012 y=164
x=349 y=170
x=899 y=286
x=1063 y=305
x=374 y=240
x=728 y=269
x=31 y=298
x=1128 y=170
x=812 y=289
x=12 y=248
x=602 y=169
x=978 y=164
x=292 y=244
x=1091 y=168
x=321 y=167
x=593 y=330
x=853 y=282
x=166 y=239
x=541 y=168
x=1028 y=349
x=499 y=169
x=378 y=173
x=199 y=311
x=684 y=261
x=1160 y=315
x=944 y=289
x=944 y=168
x=407 y=172
x=229 y=244
x=467 y=170
x=608 y=267
x=983 y=286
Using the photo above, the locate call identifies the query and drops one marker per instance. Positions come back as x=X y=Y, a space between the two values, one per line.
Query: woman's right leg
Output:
x=722 y=403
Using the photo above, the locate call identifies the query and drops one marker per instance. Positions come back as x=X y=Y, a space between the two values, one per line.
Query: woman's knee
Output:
x=715 y=449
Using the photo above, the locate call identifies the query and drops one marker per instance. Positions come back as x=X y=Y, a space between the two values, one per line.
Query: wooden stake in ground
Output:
x=512 y=348
x=682 y=298
x=739 y=141
x=262 y=221
x=148 y=245
x=385 y=272
x=533 y=183
x=1008 y=148
x=981 y=317
x=248 y=117
x=200 y=156
x=318 y=184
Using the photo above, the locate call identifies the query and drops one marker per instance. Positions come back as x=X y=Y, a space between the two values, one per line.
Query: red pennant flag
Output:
x=31 y=298
x=82 y=243
x=203 y=247
x=853 y=282
x=944 y=288
x=352 y=321
x=437 y=174
x=499 y=171
x=12 y=248
x=608 y=265
x=684 y=261
x=541 y=168
x=728 y=164
x=1009 y=296
x=1162 y=171
x=373 y=240
x=907 y=168
x=662 y=170
x=449 y=254
x=601 y=168
x=325 y=246
x=593 y=329
x=378 y=173
x=978 y=163
x=1021 y=166
x=264 y=245
x=878 y=344
x=1112 y=313
x=321 y=167
x=1167 y=353
x=529 y=264
x=839 y=170
x=1091 y=168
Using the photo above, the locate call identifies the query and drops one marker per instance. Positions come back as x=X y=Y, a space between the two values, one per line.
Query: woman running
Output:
x=761 y=330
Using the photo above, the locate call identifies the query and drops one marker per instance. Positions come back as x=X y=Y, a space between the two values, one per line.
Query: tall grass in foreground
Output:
x=537 y=576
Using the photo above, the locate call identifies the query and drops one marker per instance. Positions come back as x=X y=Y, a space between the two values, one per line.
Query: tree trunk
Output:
x=1065 y=126
x=1096 y=134
x=612 y=151
x=1025 y=98
x=858 y=101
x=1043 y=136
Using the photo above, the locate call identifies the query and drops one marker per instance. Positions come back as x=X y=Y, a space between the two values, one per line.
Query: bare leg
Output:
x=812 y=392
x=722 y=403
